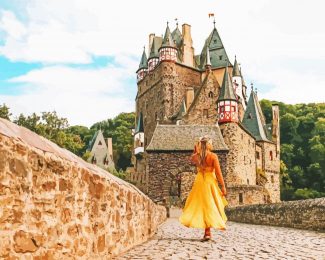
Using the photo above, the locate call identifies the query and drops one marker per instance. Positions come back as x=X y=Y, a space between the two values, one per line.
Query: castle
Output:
x=182 y=96
x=101 y=151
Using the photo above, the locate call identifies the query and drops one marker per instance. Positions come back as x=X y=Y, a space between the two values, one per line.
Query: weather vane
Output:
x=214 y=19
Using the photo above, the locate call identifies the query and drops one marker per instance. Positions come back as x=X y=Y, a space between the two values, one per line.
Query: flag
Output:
x=211 y=15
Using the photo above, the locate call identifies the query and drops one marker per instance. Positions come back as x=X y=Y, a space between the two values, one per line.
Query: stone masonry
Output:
x=167 y=169
x=239 y=241
x=304 y=214
x=53 y=205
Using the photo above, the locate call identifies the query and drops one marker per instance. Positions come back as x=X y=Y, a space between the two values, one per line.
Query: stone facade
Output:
x=246 y=194
x=171 y=175
x=303 y=214
x=209 y=91
x=53 y=205
x=241 y=168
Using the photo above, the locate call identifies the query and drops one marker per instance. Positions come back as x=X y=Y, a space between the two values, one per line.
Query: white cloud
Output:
x=84 y=96
x=264 y=34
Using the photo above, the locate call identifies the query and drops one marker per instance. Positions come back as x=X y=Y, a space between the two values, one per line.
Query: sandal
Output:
x=207 y=235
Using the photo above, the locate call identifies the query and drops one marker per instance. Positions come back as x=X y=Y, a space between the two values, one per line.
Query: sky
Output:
x=79 y=57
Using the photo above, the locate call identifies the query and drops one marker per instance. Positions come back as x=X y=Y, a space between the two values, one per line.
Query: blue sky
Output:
x=80 y=59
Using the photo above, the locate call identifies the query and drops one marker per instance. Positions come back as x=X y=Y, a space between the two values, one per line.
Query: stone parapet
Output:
x=303 y=214
x=54 y=205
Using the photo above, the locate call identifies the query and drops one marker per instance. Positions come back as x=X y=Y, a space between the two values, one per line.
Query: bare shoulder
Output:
x=214 y=156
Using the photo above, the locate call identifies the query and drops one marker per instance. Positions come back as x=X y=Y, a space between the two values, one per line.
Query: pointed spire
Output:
x=153 y=51
x=168 y=39
x=227 y=90
x=208 y=61
x=140 y=127
x=144 y=60
x=235 y=70
x=253 y=118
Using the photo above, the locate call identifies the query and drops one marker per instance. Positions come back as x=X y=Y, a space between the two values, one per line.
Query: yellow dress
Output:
x=205 y=203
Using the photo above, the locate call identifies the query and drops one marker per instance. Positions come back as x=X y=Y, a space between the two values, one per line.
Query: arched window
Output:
x=210 y=94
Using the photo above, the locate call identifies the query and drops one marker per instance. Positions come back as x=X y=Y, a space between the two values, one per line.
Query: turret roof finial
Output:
x=252 y=86
x=214 y=22
x=176 y=22
x=256 y=91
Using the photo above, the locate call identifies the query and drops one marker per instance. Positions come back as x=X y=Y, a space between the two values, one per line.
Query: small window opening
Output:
x=241 y=198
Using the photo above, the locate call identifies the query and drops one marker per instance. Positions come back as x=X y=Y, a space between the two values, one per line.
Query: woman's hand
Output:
x=223 y=190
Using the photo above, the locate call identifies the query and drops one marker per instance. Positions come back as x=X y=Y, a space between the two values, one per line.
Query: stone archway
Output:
x=181 y=181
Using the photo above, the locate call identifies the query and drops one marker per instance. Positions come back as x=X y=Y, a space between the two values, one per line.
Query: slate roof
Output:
x=143 y=62
x=177 y=36
x=235 y=70
x=227 y=90
x=218 y=55
x=183 y=137
x=168 y=40
x=92 y=141
x=156 y=44
x=254 y=120
x=140 y=128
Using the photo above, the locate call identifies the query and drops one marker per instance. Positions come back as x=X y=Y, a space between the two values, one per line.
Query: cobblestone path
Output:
x=239 y=241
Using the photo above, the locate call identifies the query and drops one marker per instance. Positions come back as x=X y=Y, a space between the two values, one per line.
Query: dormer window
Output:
x=220 y=57
x=100 y=143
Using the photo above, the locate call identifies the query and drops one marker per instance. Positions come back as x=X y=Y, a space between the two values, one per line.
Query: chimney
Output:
x=276 y=127
x=110 y=147
x=189 y=96
x=151 y=37
x=188 y=50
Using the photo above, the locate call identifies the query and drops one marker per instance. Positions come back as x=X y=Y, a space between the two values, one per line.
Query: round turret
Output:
x=168 y=50
x=227 y=101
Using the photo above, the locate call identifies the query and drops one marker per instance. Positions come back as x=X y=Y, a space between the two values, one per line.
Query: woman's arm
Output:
x=219 y=175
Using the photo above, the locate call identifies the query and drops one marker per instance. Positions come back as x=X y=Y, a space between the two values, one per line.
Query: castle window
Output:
x=272 y=178
x=241 y=200
x=93 y=160
x=249 y=141
x=257 y=155
x=250 y=116
x=210 y=94
x=248 y=181
x=242 y=136
x=220 y=57
x=271 y=155
x=205 y=113
x=156 y=116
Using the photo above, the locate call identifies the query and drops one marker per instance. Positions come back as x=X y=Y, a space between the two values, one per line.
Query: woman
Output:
x=204 y=207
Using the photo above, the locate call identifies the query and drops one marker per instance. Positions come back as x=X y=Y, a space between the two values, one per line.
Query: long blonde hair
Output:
x=201 y=148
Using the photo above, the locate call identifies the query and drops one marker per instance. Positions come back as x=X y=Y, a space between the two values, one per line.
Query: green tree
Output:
x=5 y=112
x=288 y=127
x=119 y=129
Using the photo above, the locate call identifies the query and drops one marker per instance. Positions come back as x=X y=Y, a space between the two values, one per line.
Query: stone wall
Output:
x=53 y=205
x=271 y=168
x=166 y=167
x=304 y=214
x=241 y=167
x=246 y=194
x=203 y=110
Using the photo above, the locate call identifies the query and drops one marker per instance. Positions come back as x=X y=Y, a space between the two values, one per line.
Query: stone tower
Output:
x=184 y=94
